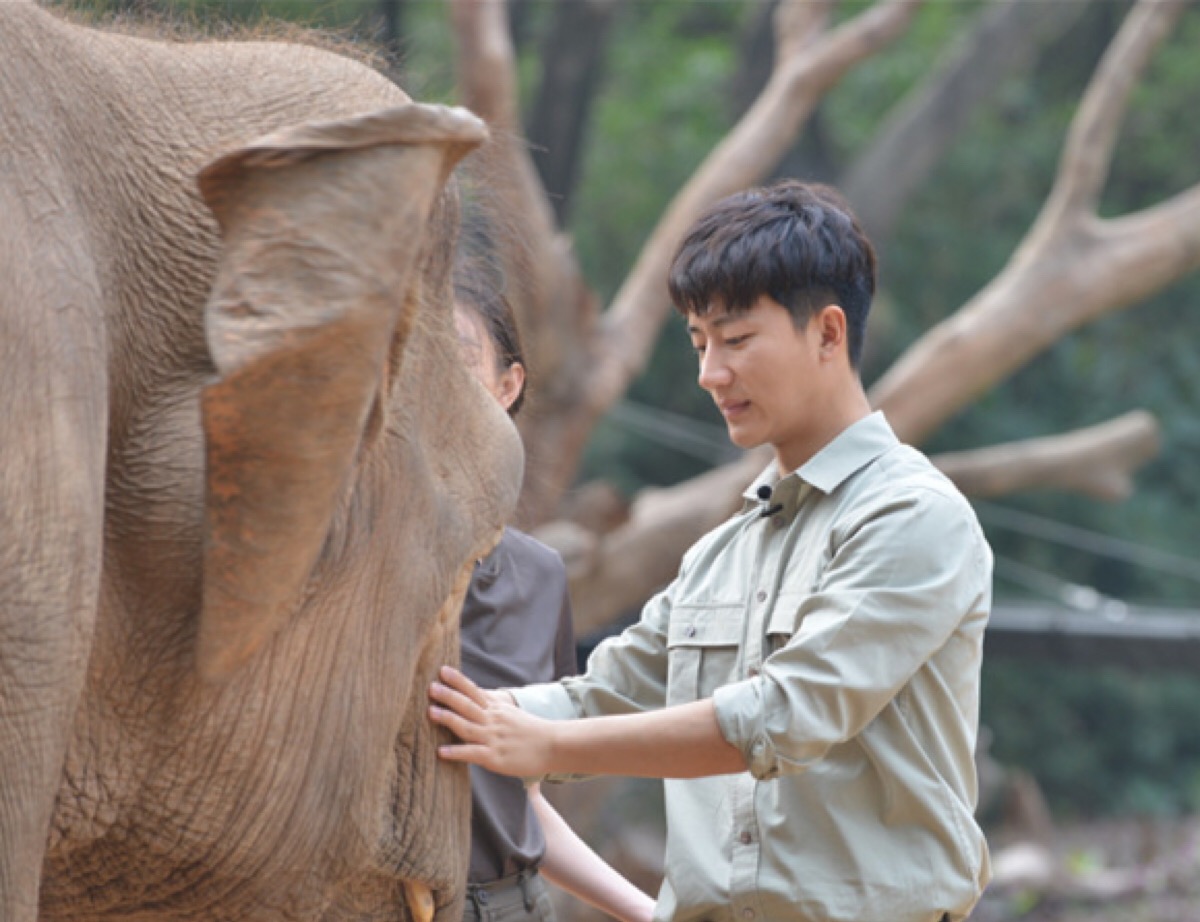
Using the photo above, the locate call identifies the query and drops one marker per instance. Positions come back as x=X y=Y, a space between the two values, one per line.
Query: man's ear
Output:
x=831 y=325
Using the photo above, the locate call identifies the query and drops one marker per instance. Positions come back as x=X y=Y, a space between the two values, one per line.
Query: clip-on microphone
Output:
x=764 y=493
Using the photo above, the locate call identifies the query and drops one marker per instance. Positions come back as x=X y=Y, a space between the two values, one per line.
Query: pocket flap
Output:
x=706 y=627
x=785 y=617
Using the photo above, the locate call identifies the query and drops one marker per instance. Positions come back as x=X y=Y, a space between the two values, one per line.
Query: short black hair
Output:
x=798 y=243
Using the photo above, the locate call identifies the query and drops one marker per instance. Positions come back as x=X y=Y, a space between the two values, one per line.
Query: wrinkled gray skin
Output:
x=241 y=472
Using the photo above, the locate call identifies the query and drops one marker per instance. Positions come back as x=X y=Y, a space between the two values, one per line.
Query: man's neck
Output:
x=843 y=411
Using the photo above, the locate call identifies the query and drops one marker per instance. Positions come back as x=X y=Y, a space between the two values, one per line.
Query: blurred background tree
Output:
x=952 y=128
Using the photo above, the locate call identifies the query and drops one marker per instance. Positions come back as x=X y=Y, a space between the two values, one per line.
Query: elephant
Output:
x=243 y=476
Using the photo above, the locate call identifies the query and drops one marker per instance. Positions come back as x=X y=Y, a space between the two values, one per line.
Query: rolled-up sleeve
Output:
x=741 y=717
x=548 y=700
x=901 y=580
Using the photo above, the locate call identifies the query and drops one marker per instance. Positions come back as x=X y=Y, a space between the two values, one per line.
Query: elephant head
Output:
x=352 y=473
x=252 y=478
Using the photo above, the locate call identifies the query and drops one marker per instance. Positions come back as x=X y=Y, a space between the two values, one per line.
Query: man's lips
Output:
x=731 y=409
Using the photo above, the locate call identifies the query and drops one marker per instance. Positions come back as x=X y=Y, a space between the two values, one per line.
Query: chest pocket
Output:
x=703 y=646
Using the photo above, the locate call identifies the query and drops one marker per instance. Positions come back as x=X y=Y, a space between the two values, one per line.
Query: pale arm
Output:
x=570 y=864
x=684 y=741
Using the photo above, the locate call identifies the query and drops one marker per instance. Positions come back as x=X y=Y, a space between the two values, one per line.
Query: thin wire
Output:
x=1093 y=542
x=1065 y=592
x=690 y=436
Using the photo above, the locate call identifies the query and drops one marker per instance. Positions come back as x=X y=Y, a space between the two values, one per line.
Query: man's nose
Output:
x=714 y=372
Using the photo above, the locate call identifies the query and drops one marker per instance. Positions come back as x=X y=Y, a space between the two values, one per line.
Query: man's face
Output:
x=765 y=376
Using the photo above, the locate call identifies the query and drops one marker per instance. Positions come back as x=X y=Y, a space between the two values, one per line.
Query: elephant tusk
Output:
x=420 y=900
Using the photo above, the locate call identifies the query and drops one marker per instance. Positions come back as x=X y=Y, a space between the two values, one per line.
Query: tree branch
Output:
x=1071 y=268
x=1097 y=461
x=1004 y=40
x=555 y=309
x=485 y=61
x=1097 y=123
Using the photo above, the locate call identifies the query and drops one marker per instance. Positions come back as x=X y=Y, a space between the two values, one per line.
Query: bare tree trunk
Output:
x=572 y=61
x=1005 y=41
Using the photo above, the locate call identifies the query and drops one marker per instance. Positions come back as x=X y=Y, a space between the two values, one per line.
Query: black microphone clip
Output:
x=764 y=493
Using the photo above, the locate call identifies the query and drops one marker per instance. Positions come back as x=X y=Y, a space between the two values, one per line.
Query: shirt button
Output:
x=745 y=838
x=753 y=671
x=761 y=595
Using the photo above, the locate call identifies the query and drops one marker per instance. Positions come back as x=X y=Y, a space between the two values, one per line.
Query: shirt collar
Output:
x=851 y=450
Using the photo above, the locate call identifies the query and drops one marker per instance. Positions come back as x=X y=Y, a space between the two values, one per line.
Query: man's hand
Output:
x=495 y=733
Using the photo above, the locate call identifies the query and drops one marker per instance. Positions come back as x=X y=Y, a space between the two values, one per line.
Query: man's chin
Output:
x=744 y=439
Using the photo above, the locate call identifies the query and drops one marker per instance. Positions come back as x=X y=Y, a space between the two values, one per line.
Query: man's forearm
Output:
x=676 y=742
x=684 y=741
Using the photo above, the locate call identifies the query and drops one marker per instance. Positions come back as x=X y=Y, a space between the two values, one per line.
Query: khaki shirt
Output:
x=840 y=638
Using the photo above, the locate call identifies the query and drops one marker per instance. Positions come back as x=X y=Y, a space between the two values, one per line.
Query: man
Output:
x=809 y=683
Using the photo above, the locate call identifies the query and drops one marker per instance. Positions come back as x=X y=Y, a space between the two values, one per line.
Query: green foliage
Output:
x=660 y=111
x=857 y=106
x=1098 y=741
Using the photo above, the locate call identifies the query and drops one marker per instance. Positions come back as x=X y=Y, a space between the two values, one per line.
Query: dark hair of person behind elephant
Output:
x=798 y=243
x=484 y=298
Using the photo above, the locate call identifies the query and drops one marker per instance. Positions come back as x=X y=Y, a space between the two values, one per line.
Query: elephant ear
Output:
x=323 y=227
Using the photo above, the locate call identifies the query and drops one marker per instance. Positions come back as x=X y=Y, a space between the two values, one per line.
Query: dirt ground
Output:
x=1129 y=870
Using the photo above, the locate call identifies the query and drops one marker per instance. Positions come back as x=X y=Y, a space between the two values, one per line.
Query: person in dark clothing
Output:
x=516 y=629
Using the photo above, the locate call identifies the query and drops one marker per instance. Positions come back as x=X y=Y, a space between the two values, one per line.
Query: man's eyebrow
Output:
x=719 y=321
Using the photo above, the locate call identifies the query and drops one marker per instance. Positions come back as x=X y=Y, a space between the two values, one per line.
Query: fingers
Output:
x=460 y=752
x=462 y=684
x=464 y=729
x=457 y=702
x=462 y=707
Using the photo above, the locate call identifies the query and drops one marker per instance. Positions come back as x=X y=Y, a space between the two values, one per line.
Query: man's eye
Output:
x=737 y=340
x=698 y=348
